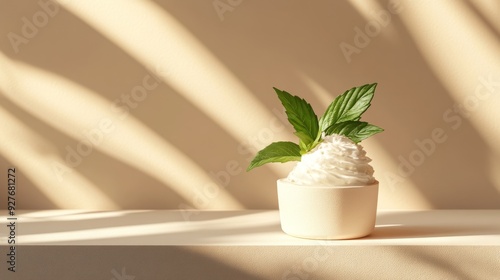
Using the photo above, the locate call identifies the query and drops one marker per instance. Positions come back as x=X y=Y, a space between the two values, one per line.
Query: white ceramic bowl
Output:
x=327 y=212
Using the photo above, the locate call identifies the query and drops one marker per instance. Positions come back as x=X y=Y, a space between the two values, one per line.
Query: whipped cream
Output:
x=336 y=161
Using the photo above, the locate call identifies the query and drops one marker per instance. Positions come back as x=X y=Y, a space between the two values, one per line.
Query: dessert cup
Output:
x=327 y=212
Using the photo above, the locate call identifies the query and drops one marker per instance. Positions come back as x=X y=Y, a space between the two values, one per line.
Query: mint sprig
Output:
x=341 y=117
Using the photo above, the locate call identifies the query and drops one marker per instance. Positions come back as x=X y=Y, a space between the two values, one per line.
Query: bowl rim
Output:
x=284 y=181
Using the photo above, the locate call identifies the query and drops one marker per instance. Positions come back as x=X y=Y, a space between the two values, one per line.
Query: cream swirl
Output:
x=336 y=161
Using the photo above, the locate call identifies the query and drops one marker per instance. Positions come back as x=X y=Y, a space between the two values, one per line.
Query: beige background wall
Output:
x=162 y=104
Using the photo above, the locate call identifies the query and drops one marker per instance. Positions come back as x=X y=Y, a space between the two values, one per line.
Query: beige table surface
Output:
x=250 y=227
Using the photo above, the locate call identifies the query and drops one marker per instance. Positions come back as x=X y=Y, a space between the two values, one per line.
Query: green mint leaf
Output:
x=354 y=130
x=349 y=106
x=301 y=115
x=276 y=152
